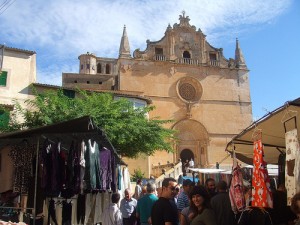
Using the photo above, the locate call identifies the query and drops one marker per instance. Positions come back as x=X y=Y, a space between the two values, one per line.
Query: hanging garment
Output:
x=89 y=206
x=92 y=170
x=55 y=182
x=106 y=169
x=51 y=212
x=120 y=178
x=113 y=184
x=74 y=211
x=22 y=155
x=58 y=212
x=236 y=190
x=281 y=168
x=45 y=160
x=50 y=165
x=82 y=166
x=80 y=209
x=292 y=178
x=98 y=208
x=261 y=192
x=126 y=178
x=73 y=168
x=39 y=195
x=66 y=213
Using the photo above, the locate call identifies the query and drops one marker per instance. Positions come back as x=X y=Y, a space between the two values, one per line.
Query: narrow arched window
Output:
x=107 y=69
x=99 y=68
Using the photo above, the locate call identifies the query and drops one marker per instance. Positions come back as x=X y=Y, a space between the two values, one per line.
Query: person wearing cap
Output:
x=183 y=198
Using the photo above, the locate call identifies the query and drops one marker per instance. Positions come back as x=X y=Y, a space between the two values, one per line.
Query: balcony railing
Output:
x=159 y=57
x=214 y=63
x=187 y=61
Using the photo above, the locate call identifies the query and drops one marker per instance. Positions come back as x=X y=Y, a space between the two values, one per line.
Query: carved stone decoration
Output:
x=137 y=54
x=184 y=20
x=125 y=67
x=172 y=70
x=188 y=110
x=189 y=90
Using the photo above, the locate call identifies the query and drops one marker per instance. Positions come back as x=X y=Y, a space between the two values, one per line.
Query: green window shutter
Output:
x=69 y=93
x=3 y=78
x=4 y=118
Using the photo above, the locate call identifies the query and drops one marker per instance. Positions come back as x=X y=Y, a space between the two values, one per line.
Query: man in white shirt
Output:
x=138 y=189
x=112 y=214
x=191 y=163
x=128 y=208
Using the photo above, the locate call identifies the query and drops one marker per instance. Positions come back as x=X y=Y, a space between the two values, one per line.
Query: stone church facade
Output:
x=189 y=82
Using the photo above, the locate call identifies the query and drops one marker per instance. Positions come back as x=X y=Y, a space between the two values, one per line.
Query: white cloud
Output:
x=64 y=29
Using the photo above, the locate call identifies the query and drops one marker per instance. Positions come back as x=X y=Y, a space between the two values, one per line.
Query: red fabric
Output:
x=236 y=194
x=261 y=192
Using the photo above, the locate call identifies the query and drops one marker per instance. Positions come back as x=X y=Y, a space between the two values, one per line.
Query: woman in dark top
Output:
x=199 y=211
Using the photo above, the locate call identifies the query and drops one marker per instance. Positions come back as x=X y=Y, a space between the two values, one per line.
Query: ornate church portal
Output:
x=192 y=143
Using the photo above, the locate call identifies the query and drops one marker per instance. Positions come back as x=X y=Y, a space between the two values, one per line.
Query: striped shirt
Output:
x=182 y=201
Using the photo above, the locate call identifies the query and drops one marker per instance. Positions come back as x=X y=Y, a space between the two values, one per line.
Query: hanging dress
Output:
x=106 y=169
x=292 y=179
x=22 y=156
x=261 y=192
x=92 y=170
x=236 y=190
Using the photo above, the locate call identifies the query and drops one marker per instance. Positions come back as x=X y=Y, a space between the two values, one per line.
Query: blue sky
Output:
x=60 y=30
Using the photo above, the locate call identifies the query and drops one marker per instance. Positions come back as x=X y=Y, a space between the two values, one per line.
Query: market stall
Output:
x=29 y=147
x=273 y=139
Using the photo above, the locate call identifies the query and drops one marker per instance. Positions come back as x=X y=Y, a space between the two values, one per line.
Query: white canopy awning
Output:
x=207 y=170
x=273 y=127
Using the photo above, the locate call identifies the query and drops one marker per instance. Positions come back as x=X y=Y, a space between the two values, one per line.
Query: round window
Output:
x=189 y=89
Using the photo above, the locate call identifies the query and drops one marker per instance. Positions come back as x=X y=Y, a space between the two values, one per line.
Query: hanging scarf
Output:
x=236 y=193
x=261 y=192
x=292 y=175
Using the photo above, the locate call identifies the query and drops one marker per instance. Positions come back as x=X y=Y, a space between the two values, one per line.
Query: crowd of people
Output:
x=195 y=204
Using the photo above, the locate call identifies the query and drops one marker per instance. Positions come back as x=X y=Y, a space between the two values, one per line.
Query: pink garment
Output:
x=261 y=192
x=236 y=192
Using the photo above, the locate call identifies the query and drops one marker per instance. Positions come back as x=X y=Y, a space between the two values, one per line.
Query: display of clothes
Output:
x=64 y=175
x=292 y=165
x=84 y=167
x=261 y=192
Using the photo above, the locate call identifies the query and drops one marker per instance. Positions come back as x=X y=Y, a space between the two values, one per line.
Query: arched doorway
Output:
x=186 y=154
x=193 y=141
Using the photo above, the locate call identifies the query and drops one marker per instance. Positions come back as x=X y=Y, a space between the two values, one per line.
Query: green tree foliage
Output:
x=129 y=130
x=137 y=175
